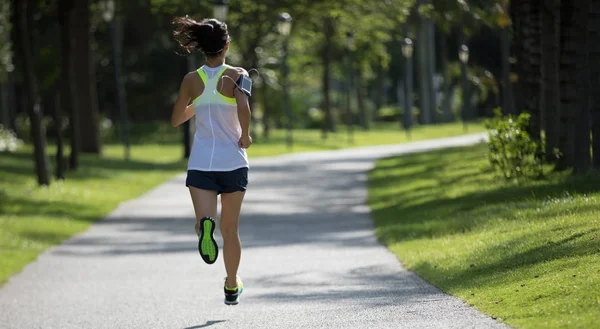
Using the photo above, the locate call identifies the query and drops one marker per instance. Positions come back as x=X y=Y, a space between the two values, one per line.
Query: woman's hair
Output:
x=209 y=36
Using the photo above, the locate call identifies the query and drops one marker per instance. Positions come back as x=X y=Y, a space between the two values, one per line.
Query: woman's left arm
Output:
x=182 y=110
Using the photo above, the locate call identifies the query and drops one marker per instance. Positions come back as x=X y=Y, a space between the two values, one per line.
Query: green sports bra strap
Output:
x=203 y=76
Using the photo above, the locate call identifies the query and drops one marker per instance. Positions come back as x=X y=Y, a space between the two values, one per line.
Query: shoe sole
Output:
x=237 y=301
x=207 y=246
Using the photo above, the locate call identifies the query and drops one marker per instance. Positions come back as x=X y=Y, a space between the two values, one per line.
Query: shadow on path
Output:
x=207 y=324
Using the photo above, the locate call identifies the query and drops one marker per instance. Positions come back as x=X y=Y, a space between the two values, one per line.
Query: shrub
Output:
x=512 y=151
x=314 y=118
x=8 y=140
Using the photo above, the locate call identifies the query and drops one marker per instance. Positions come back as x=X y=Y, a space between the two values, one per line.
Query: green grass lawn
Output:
x=311 y=140
x=381 y=134
x=528 y=255
x=33 y=219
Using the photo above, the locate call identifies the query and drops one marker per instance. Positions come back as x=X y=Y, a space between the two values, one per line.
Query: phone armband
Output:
x=244 y=83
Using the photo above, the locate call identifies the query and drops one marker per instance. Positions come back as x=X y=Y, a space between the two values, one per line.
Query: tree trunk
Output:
x=432 y=71
x=594 y=69
x=117 y=28
x=531 y=60
x=465 y=87
x=38 y=131
x=5 y=115
x=423 y=60
x=582 y=116
x=253 y=100
x=550 y=100
x=266 y=111
x=518 y=13
x=55 y=101
x=328 y=122
x=86 y=80
x=568 y=85
x=446 y=105
x=68 y=98
x=20 y=96
x=360 y=92
x=379 y=90
x=11 y=104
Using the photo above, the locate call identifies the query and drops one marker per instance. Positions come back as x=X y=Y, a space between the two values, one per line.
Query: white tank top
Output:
x=218 y=130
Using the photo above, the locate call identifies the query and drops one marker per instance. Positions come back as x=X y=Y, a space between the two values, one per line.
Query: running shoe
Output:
x=232 y=295
x=207 y=246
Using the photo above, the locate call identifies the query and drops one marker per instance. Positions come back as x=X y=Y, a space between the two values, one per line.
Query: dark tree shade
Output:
x=24 y=49
x=568 y=84
x=85 y=78
x=550 y=101
x=68 y=99
x=594 y=69
x=533 y=76
x=582 y=116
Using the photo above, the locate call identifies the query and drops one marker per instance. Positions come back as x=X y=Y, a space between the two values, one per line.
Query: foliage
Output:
x=512 y=152
x=394 y=114
x=147 y=40
x=9 y=142
x=6 y=65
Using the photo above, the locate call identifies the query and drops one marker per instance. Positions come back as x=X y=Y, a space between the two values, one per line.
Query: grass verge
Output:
x=527 y=254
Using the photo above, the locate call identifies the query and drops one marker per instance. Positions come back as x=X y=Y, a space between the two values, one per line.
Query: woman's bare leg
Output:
x=231 y=204
x=205 y=204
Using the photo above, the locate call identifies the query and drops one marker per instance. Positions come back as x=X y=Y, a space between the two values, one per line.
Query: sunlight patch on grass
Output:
x=527 y=254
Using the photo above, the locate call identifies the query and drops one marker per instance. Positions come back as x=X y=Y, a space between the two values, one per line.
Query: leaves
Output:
x=512 y=152
x=6 y=64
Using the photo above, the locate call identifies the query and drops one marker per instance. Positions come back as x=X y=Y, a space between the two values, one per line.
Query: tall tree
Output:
x=568 y=84
x=326 y=54
x=530 y=64
x=267 y=110
x=594 y=70
x=22 y=8
x=68 y=99
x=518 y=16
x=550 y=100
x=361 y=89
x=378 y=88
x=4 y=108
x=5 y=62
x=423 y=62
x=446 y=103
x=582 y=114
x=52 y=104
x=85 y=78
x=448 y=14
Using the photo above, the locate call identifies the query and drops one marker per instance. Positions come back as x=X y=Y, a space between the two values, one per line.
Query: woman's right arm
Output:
x=182 y=111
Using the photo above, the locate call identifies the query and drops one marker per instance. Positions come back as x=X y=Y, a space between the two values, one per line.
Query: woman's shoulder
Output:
x=236 y=72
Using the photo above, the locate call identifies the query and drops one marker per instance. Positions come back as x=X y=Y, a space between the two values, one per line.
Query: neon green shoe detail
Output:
x=207 y=246
x=232 y=295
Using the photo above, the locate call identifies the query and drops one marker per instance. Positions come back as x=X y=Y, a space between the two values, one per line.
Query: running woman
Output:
x=218 y=164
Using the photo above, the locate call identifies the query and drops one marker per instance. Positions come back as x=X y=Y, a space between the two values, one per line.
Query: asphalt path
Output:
x=310 y=260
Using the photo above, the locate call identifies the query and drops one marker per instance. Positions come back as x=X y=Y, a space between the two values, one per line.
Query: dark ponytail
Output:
x=209 y=36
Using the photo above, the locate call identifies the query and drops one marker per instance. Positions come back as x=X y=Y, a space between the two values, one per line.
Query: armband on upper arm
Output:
x=244 y=84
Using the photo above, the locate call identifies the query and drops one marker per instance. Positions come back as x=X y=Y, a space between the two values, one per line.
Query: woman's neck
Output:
x=215 y=62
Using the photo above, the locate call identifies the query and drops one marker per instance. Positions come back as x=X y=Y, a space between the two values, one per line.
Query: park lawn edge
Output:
x=527 y=255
